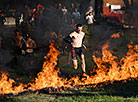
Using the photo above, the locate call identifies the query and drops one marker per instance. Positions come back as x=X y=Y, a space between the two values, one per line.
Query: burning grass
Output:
x=108 y=70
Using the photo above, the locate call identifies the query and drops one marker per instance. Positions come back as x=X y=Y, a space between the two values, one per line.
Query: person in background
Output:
x=65 y=11
x=72 y=8
x=30 y=44
x=2 y=19
x=18 y=39
x=75 y=17
x=17 y=19
x=90 y=19
x=1 y=41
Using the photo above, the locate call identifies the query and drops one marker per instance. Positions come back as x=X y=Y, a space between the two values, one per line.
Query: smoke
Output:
x=52 y=21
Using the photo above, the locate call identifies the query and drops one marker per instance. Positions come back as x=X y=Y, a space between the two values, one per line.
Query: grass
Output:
x=117 y=92
x=29 y=98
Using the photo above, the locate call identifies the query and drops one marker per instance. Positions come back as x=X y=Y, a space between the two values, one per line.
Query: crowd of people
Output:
x=31 y=18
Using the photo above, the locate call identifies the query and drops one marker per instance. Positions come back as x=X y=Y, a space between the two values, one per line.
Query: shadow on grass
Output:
x=125 y=89
x=118 y=88
x=6 y=99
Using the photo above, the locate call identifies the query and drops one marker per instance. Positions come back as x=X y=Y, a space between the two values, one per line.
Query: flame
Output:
x=126 y=68
x=6 y=85
x=48 y=77
x=109 y=68
x=117 y=35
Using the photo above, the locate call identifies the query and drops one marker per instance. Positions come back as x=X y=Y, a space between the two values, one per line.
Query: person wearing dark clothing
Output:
x=1 y=38
x=24 y=27
x=28 y=45
x=75 y=17
x=2 y=19
x=17 y=19
x=18 y=39
x=72 y=8
x=36 y=15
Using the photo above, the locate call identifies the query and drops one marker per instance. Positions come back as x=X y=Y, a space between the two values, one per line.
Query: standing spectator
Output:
x=65 y=11
x=24 y=27
x=59 y=10
x=17 y=19
x=36 y=17
x=18 y=50
x=29 y=14
x=30 y=44
x=72 y=8
x=2 y=19
x=18 y=39
x=1 y=40
x=75 y=17
x=90 y=19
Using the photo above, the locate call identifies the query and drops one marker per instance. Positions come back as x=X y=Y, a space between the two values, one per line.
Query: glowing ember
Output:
x=117 y=35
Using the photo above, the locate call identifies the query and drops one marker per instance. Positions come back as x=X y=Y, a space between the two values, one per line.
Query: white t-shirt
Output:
x=78 y=37
x=90 y=19
x=64 y=10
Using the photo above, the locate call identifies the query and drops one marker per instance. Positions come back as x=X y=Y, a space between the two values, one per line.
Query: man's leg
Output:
x=83 y=63
x=83 y=66
x=69 y=55
x=75 y=64
x=74 y=58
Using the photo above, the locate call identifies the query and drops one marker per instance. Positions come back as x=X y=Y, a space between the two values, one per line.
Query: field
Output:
x=106 y=91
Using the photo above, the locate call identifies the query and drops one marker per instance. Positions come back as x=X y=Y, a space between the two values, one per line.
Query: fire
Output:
x=109 y=68
x=6 y=85
x=126 y=68
x=48 y=77
x=117 y=35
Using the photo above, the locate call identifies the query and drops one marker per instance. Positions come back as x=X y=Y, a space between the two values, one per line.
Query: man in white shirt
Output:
x=64 y=11
x=90 y=19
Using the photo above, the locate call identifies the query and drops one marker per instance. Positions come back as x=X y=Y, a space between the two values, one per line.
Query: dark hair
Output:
x=27 y=35
x=78 y=25
x=89 y=13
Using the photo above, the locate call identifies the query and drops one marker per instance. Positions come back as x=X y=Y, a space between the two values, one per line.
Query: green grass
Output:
x=117 y=92
x=29 y=98
x=95 y=98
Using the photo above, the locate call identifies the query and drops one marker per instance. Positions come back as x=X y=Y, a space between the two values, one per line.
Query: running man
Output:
x=76 y=39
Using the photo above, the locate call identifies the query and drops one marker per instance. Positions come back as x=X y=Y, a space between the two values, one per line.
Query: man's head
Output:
x=79 y=27
x=76 y=10
x=72 y=4
x=17 y=33
x=90 y=13
x=27 y=35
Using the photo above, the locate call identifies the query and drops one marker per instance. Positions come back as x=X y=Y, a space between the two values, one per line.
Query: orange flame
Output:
x=117 y=35
x=108 y=69
x=6 y=85
x=48 y=77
